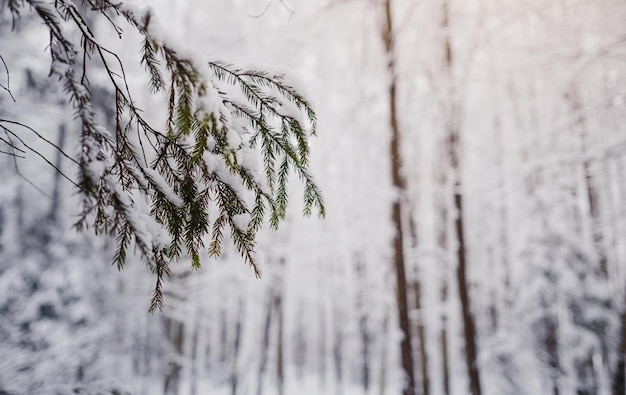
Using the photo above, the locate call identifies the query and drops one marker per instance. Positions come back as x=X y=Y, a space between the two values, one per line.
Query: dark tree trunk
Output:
x=469 y=332
x=280 y=375
x=444 y=357
x=420 y=327
x=619 y=371
x=421 y=336
x=453 y=142
x=399 y=185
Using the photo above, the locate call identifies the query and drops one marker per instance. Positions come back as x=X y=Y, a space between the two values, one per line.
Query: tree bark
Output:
x=421 y=335
x=399 y=185
x=453 y=143
x=420 y=327
x=469 y=332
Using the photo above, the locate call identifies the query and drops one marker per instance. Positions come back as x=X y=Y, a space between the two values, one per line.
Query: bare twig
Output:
x=40 y=136
x=17 y=169
x=9 y=131
x=267 y=6
x=8 y=86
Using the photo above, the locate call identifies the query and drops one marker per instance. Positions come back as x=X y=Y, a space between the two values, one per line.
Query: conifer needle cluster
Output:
x=176 y=190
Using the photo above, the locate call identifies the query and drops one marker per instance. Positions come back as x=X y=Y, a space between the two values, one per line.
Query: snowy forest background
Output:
x=503 y=204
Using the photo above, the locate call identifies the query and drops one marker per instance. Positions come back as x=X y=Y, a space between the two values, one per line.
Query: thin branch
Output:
x=40 y=136
x=41 y=156
x=287 y=7
x=267 y=6
x=8 y=86
x=12 y=154
x=19 y=174
x=10 y=144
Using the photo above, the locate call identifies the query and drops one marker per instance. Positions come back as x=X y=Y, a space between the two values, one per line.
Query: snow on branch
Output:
x=139 y=182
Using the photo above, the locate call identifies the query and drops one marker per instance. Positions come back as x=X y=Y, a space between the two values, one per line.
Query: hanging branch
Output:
x=218 y=117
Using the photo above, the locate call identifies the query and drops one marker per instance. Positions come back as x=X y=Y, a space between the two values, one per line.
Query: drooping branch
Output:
x=219 y=117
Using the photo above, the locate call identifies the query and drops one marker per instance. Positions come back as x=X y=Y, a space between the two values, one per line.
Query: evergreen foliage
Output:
x=196 y=178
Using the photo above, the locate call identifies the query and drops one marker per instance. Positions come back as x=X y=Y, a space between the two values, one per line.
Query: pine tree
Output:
x=168 y=191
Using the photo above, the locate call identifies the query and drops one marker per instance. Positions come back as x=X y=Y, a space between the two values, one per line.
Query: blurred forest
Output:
x=472 y=155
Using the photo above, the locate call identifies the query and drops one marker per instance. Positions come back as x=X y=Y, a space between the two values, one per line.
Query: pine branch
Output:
x=190 y=165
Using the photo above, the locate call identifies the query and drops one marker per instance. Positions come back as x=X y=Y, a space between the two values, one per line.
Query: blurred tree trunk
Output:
x=469 y=332
x=444 y=350
x=363 y=323
x=420 y=327
x=421 y=336
x=55 y=206
x=452 y=140
x=399 y=184
x=280 y=358
x=265 y=342
x=619 y=371
x=197 y=349
x=441 y=207
x=322 y=345
x=338 y=346
x=591 y=220
x=174 y=333
x=383 y=356
x=234 y=375
x=619 y=374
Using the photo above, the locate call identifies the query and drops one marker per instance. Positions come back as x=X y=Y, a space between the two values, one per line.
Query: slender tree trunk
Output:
x=619 y=374
x=278 y=306
x=197 y=355
x=399 y=185
x=453 y=142
x=56 y=191
x=265 y=343
x=469 y=331
x=280 y=365
x=338 y=348
x=442 y=243
x=363 y=325
x=299 y=345
x=234 y=376
x=420 y=327
x=383 y=357
x=444 y=354
x=322 y=346
x=174 y=332
x=591 y=218
x=422 y=339
x=619 y=371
